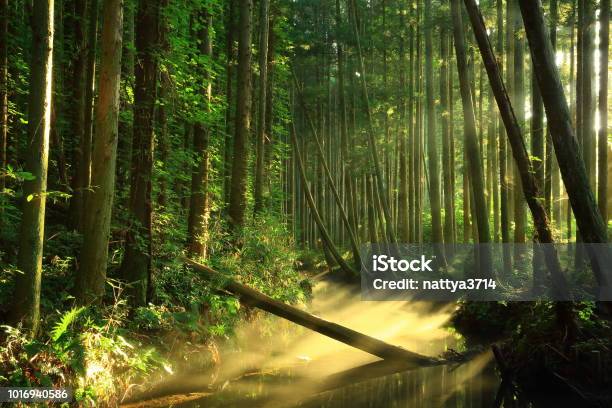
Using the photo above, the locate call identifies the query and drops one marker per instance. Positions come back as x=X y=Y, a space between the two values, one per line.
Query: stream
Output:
x=272 y=363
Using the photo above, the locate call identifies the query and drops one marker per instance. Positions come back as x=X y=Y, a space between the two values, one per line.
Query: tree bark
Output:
x=197 y=228
x=91 y=277
x=471 y=145
x=32 y=230
x=602 y=141
x=136 y=265
x=432 y=147
x=446 y=137
x=4 y=17
x=518 y=101
x=343 y=334
x=230 y=27
x=261 y=122
x=78 y=116
x=382 y=187
x=238 y=199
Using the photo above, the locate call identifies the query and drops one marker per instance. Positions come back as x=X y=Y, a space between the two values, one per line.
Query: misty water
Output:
x=272 y=363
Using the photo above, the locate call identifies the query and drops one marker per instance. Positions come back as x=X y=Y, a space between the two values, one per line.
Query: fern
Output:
x=67 y=319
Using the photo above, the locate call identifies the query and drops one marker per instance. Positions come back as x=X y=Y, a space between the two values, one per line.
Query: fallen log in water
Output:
x=337 y=332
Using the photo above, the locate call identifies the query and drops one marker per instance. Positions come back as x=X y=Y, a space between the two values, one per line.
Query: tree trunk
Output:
x=197 y=227
x=238 y=198
x=230 y=27
x=446 y=138
x=31 y=236
x=382 y=188
x=587 y=95
x=432 y=148
x=518 y=101
x=90 y=79
x=471 y=144
x=402 y=196
x=78 y=115
x=136 y=266
x=602 y=162
x=91 y=277
x=4 y=17
x=340 y=333
x=261 y=122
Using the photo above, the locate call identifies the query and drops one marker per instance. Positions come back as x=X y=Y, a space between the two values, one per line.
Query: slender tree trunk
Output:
x=382 y=188
x=230 y=27
x=402 y=196
x=90 y=79
x=602 y=169
x=136 y=266
x=471 y=144
x=446 y=138
x=432 y=148
x=197 y=227
x=519 y=104
x=411 y=138
x=4 y=17
x=78 y=115
x=163 y=105
x=124 y=145
x=261 y=122
x=238 y=199
x=32 y=231
x=587 y=96
x=91 y=276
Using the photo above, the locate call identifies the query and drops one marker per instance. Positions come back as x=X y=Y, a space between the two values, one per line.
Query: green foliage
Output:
x=85 y=349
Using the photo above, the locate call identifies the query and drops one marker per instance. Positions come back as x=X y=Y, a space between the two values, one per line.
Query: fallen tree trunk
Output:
x=337 y=332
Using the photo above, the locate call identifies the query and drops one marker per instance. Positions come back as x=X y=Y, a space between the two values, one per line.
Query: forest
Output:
x=187 y=188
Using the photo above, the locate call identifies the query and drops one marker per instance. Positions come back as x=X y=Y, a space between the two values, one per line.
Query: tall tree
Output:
x=238 y=199
x=4 y=18
x=79 y=77
x=602 y=141
x=199 y=206
x=380 y=182
x=136 y=265
x=403 y=227
x=230 y=27
x=518 y=102
x=432 y=148
x=471 y=143
x=261 y=118
x=31 y=236
x=91 y=276
x=587 y=99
